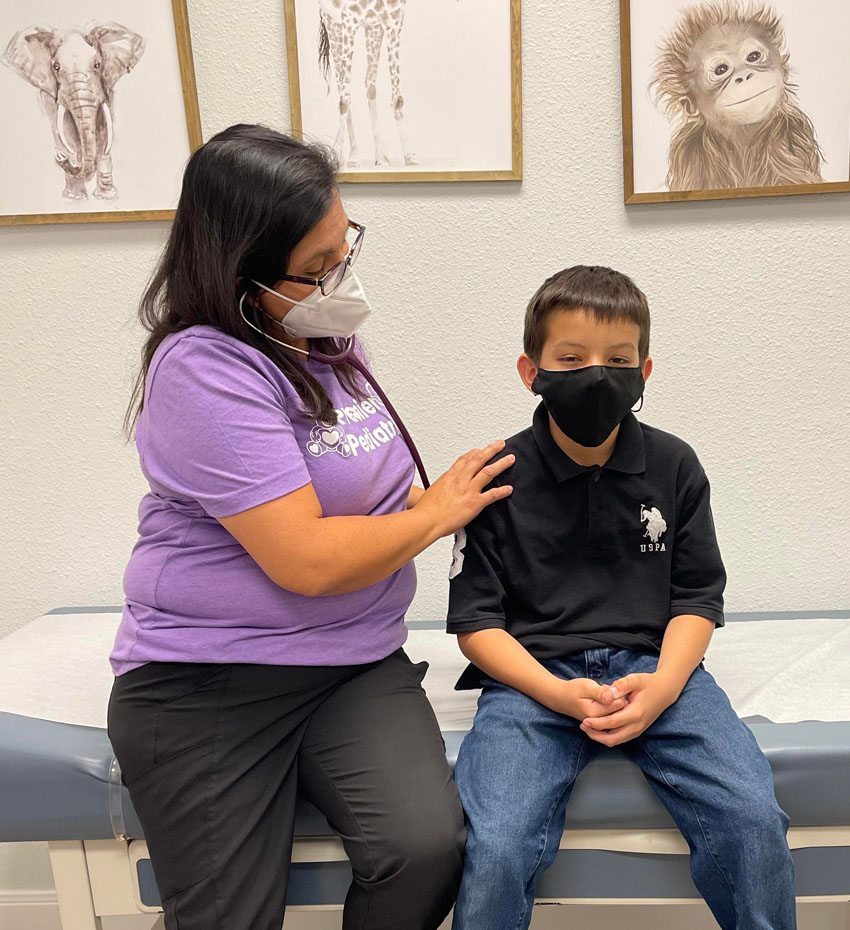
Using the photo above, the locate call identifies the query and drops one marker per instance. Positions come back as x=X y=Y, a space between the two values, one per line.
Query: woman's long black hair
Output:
x=249 y=196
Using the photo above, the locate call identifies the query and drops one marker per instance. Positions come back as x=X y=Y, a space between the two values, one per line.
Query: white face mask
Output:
x=338 y=314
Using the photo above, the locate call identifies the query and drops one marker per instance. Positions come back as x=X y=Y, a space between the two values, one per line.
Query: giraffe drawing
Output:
x=339 y=21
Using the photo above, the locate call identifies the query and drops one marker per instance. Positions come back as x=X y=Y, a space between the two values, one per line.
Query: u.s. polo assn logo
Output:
x=656 y=526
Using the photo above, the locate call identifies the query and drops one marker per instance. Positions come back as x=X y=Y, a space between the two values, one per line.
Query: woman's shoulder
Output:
x=200 y=341
x=201 y=366
x=201 y=353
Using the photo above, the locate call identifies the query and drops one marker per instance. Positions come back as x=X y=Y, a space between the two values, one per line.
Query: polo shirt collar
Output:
x=628 y=457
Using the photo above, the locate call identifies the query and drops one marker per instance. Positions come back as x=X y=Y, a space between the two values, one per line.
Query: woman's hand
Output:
x=649 y=696
x=458 y=496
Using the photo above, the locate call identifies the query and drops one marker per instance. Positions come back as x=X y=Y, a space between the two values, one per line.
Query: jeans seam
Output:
x=555 y=806
x=702 y=827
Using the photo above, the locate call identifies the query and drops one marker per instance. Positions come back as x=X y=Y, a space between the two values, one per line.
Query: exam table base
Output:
x=111 y=878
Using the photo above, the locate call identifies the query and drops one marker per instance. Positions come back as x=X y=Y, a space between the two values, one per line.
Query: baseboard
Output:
x=29 y=910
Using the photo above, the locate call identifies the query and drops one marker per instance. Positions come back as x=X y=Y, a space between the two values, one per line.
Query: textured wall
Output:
x=751 y=336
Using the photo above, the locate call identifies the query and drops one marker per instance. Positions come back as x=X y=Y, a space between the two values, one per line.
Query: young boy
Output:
x=585 y=602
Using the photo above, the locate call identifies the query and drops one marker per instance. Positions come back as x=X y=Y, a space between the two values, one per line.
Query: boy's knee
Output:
x=756 y=821
x=766 y=818
x=504 y=857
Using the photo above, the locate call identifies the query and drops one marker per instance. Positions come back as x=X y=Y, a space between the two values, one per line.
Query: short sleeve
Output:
x=698 y=577
x=216 y=429
x=476 y=594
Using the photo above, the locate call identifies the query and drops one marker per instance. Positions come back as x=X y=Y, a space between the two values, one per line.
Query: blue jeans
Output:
x=516 y=770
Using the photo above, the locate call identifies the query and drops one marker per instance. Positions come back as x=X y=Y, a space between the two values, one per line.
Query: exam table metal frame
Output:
x=98 y=878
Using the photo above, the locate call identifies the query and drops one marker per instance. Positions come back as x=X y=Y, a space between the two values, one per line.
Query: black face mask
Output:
x=587 y=403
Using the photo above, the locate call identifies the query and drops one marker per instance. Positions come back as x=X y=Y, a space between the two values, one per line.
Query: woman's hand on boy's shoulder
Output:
x=649 y=695
x=461 y=493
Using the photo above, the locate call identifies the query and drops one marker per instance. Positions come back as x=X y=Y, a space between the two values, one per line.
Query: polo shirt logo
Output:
x=656 y=526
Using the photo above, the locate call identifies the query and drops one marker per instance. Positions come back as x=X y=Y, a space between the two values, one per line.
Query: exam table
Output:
x=787 y=675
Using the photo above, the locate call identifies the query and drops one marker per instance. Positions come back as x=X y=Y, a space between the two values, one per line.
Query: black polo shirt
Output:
x=585 y=557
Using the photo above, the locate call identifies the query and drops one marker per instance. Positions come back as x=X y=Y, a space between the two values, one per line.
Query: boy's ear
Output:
x=647 y=368
x=527 y=370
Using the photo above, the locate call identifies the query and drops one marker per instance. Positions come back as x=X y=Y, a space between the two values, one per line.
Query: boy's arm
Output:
x=502 y=657
x=505 y=659
x=697 y=575
x=685 y=642
x=477 y=616
x=697 y=580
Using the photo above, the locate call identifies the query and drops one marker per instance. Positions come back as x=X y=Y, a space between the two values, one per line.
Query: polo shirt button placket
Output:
x=595 y=508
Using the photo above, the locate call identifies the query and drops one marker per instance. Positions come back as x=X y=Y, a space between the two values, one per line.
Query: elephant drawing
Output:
x=76 y=71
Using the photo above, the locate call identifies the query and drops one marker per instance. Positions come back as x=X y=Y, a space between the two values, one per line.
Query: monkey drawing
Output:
x=723 y=78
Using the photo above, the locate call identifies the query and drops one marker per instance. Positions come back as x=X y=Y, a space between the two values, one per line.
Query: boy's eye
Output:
x=619 y=360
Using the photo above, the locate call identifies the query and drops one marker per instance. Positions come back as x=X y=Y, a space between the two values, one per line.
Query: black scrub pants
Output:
x=212 y=756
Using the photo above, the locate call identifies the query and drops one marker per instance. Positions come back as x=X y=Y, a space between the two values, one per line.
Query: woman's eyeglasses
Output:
x=332 y=278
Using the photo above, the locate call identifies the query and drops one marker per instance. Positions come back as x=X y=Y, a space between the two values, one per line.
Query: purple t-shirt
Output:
x=222 y=430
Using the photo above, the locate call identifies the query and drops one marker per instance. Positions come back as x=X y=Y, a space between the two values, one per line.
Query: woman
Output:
x=260 y=648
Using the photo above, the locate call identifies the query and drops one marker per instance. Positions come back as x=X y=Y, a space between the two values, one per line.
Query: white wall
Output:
x=751 y=338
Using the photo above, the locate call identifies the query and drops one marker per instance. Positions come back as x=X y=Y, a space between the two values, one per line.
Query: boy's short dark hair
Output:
x=602 y=292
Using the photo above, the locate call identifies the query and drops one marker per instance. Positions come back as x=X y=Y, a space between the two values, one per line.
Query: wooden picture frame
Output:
x=511 y=143
x=636 y=193
x=185 y=103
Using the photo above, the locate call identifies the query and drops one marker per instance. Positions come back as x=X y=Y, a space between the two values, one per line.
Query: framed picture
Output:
x=734 y=98
x=100 y=108
x=409 y=90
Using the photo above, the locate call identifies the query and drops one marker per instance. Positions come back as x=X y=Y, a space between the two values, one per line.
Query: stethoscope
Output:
x=349 y=357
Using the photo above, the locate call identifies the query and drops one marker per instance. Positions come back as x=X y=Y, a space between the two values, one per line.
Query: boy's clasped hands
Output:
x=615 y=713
